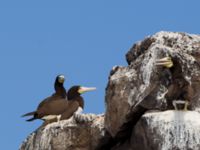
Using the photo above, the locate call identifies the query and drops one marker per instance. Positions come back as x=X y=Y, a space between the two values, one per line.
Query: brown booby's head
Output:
x=77 y=90
x=59 y=87
x=60 y=79
x=165 y=62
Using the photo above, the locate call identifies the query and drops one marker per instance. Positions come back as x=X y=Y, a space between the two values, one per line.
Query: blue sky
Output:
x=80 y=39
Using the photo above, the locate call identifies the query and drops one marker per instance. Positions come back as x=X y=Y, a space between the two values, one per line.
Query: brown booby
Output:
x=75 y=101
x=179 y=91
x=52 y=107
x=166 y=62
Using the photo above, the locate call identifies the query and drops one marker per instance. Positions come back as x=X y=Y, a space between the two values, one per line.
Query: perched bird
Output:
x=52 y=107
x=75 y=101
x=179 y=90
x=166 y=62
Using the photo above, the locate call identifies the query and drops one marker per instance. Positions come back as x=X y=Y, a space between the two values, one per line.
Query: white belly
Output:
x=79 y=110
x=50 y=117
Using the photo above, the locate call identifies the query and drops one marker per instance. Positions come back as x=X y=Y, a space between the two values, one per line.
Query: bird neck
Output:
x=81 y=102
x=79 y=99
x=60 y=90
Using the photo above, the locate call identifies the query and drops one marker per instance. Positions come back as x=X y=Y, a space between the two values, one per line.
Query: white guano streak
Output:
x=177 y=128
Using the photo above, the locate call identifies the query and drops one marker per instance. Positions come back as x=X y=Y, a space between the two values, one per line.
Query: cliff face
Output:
x=81 y=133
x=167 y=130
x=139 y=103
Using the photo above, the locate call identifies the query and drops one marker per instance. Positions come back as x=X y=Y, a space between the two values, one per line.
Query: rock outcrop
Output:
x=67 y=135
x=167 y=130
x=143 y=86
x=139 y=103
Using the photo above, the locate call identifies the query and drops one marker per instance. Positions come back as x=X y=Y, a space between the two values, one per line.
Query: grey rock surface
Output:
x=143 y=83
x=168 y=130
x=67 y=135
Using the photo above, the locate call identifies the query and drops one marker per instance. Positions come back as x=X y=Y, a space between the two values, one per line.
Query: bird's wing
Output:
x=70 y=110
x=52 y=107
x=51 y=98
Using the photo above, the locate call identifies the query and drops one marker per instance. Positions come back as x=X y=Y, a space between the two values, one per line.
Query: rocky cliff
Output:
x=83 y=132
x=140 y=100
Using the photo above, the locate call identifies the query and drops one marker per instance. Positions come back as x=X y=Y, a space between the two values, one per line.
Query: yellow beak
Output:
x=166 y=62
x=86 y=89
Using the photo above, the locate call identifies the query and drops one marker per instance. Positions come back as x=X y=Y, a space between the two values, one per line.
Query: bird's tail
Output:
x=29 y=114
x=31 y=119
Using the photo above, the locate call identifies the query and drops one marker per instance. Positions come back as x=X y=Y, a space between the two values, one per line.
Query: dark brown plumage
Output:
x=53 y=105
x=75 y=101
x=178 y=89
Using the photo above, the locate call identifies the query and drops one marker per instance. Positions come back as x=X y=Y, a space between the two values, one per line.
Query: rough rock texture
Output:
x=150 y=86
x=139 y=112
x=143 y=86
x=167 y=130
x=67 y=135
